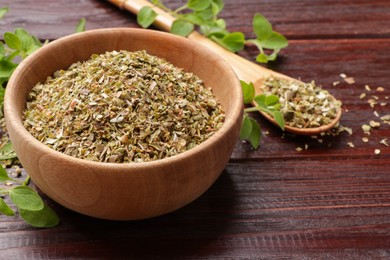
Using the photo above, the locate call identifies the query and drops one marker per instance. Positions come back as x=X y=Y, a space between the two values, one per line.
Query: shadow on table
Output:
x=191 y=231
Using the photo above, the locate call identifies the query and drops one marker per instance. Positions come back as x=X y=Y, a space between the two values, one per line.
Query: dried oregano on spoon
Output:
x=122 y=107
x=304 y=105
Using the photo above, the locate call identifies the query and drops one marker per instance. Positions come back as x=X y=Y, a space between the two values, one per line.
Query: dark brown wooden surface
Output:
x=330 y=201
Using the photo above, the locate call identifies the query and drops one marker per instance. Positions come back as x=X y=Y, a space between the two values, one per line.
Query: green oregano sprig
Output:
x=80 y=27
x=30 y=205
x=250 y=129
x=204 y=15
x=17 y=46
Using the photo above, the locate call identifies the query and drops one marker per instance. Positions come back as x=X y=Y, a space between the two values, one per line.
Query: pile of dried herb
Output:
x=304 y=105
x=122 y=107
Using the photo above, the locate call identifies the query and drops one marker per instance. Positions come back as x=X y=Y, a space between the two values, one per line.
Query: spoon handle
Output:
x=163 y=21
x=245 y=70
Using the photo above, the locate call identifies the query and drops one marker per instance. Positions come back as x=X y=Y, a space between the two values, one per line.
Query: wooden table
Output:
x=328 y=201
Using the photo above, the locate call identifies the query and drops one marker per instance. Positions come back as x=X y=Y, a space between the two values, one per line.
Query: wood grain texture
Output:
x=330 y=201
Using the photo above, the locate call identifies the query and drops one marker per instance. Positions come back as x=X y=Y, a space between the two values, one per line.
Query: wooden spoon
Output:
x=245 y=69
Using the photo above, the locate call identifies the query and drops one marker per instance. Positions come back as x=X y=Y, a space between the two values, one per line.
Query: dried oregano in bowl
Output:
x=122 y=106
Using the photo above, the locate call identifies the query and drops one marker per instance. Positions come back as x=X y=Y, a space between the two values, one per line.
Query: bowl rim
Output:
x=16 y=120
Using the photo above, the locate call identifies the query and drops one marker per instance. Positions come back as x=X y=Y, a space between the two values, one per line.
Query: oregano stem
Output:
x=254 y=42
x=252 y=109
x=179 y=9
x=26 y=181
x=13 y=55
x=161 y=5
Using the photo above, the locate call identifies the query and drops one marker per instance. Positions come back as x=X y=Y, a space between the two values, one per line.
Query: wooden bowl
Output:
x=126 y=191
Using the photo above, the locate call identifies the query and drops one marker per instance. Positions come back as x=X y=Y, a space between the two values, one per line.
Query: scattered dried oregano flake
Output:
x=372 y=102
x=122 y=106
x=384 y=142
x=385 y=119
x=366 y=129
x=374 y=124
x=342 y=128
x=349 y=80
x=304 y=105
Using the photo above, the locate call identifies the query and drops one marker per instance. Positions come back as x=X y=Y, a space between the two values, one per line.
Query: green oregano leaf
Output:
x=275 y=41
x=206 y=14
x=45 y=217
x=214 y=29
x=248 y=91
x=26 y=41
x=146 y=16
x=80 y=27
x=215 y=8
x=198 y=5
x=233 y=41
x=262 y=58
x=271 y=100
x=6 y=68
x=26 y=198
x=3 y=11
x=217 y=4
x=5 y=209
x=2 y=50
x=12 y=41
x=3 y=174
x=255 y=136
x=37 y=42
x=7 y=152
x=250 y=131
x=193 y=18
x=260 y=100
x=2 y=92
x=32 y=49
x=182 y=28
x=220 y=23
x=278 y=116
x=262 y=27
x=246 y=128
